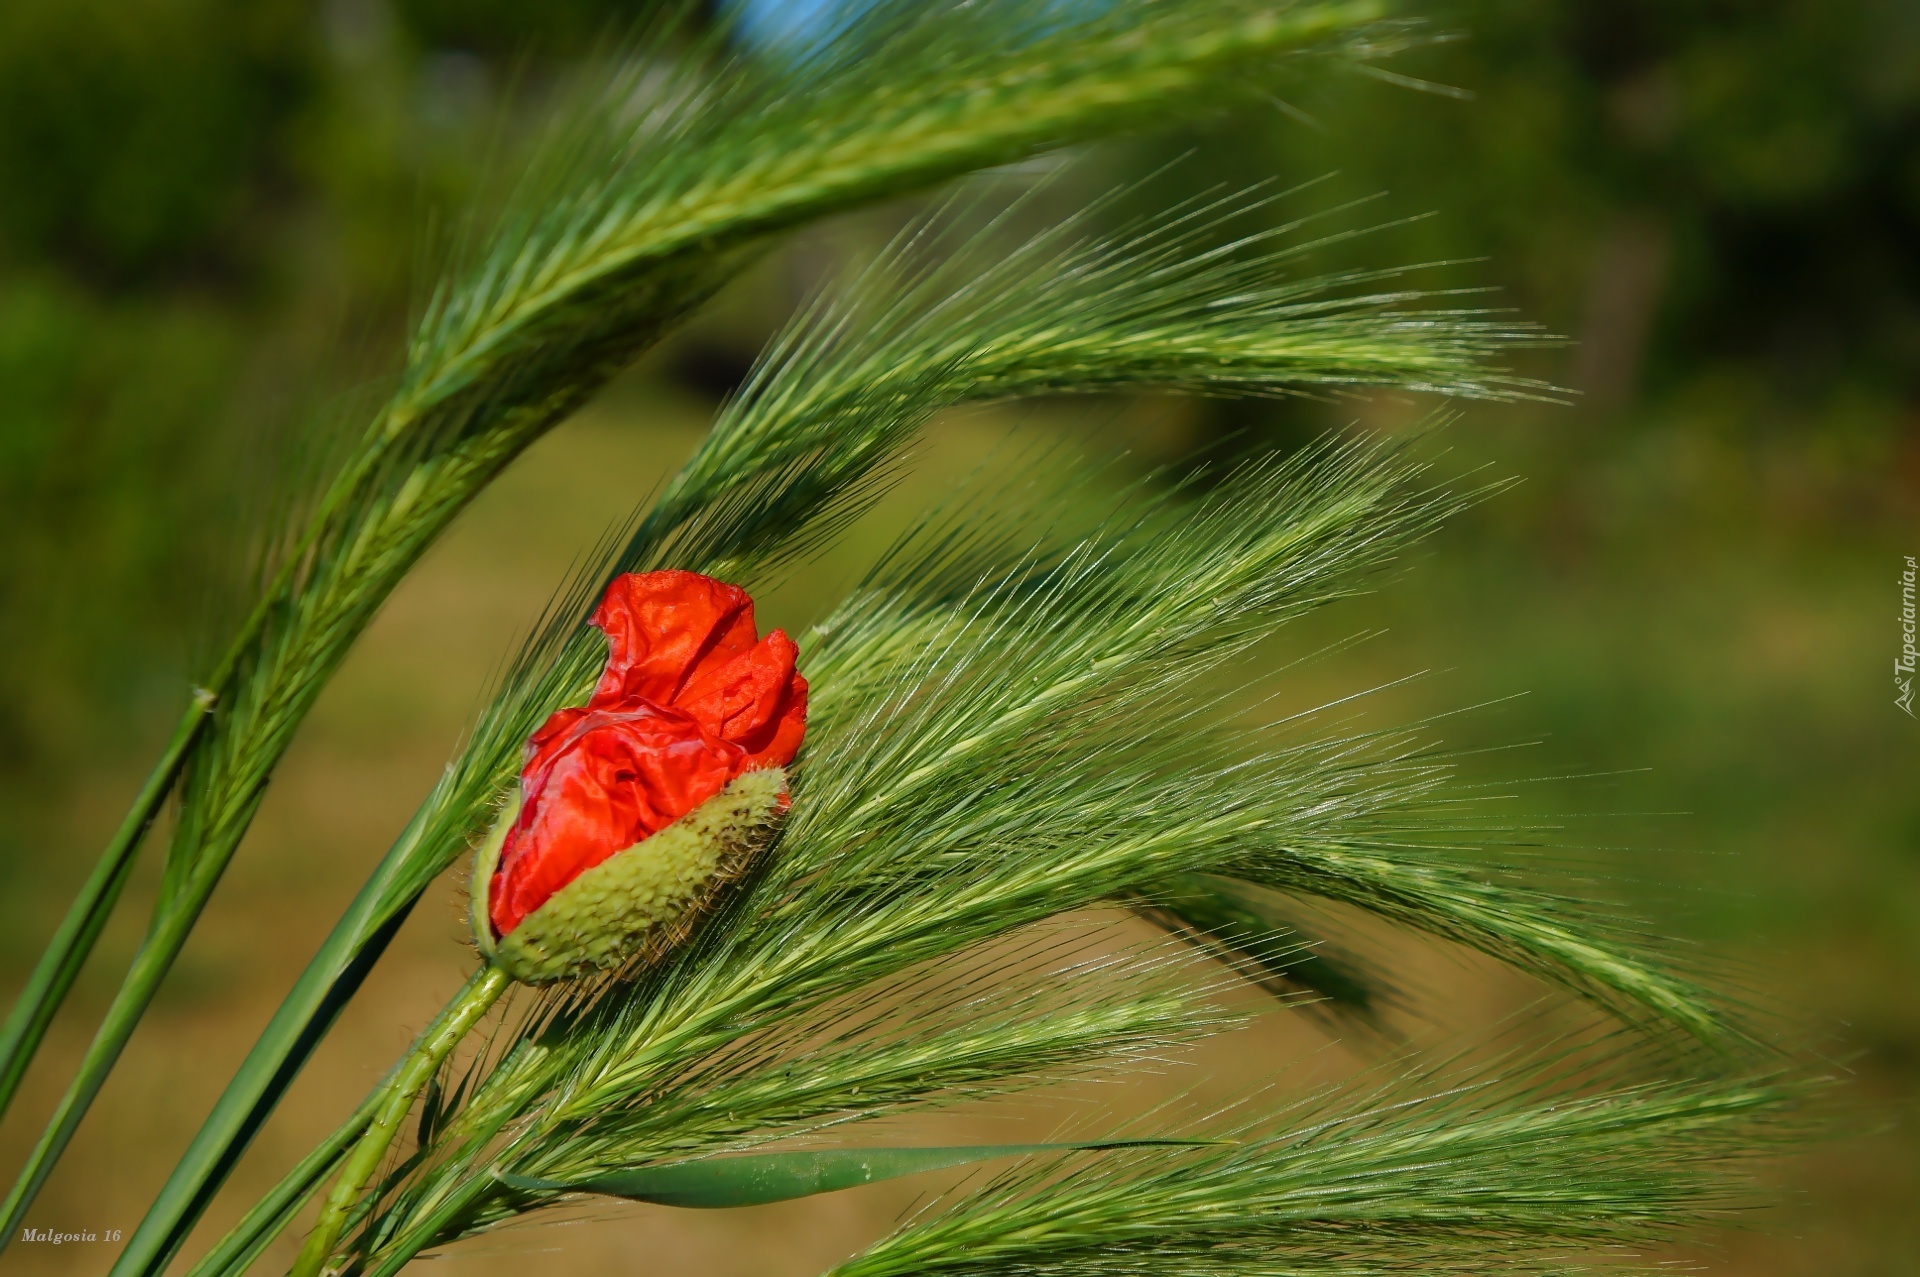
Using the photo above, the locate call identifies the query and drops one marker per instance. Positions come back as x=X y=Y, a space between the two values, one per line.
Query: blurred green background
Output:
x=212 y=213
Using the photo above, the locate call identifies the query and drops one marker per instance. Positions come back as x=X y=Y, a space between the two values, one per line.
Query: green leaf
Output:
x=755 y=1180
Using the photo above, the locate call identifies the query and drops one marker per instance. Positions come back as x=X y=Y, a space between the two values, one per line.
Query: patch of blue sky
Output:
x=798 y=26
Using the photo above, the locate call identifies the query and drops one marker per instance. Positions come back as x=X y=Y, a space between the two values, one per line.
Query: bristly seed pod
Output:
x=641 y=902
x=633 y=810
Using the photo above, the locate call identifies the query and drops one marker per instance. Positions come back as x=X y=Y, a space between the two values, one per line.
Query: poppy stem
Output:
x=393 y=1103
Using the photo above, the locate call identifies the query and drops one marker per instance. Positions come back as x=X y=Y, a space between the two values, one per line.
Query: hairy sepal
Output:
x=641 y=902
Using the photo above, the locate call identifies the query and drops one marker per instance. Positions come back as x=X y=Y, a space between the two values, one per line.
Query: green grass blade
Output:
x=234 y=1253
x=67 y=952
x=760 y=1178
x=999 y=736
x=283 y=1048
x=783 y=459
x=143 y=978
x=587 y=272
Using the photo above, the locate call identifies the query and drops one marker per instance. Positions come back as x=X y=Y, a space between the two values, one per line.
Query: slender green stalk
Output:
x=73 y=943
x=317 y=604
x=236 y=1251
x=149 y=967
x=392 y=1104
x=799 y=449
x=144 y=976
x=403 y=1252
x=330 y=979
x=67 y=952
x=997 y=736
x=637 y=227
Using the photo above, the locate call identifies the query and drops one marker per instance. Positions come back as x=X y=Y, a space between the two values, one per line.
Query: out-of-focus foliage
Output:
x=185 y=187
x=143 y=139
x=1717 y=199
x=1690 y=188
x=1700 y=190
x=141 y=150
x=1720 y=199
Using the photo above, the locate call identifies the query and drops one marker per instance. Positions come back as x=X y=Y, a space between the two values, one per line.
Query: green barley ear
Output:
x=1009 y=734
x=664 y=186
x=997 y=738
x=1255 y=932
x=812 y=437
x=1506 y=1170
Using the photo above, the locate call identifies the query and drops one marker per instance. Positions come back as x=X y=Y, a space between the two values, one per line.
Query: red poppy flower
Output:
x=690 y=699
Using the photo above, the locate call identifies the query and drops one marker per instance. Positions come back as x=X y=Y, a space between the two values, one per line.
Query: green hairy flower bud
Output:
x=640 y=902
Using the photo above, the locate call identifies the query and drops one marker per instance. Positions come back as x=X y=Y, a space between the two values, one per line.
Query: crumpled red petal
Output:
x=662 y=628
x=754 y=700
x=690 y=699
